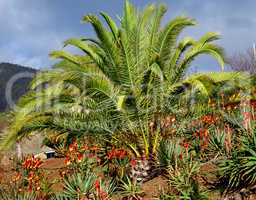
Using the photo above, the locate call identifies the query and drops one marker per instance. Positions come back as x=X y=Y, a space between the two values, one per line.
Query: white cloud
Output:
x=30 y=29
x=27 y=36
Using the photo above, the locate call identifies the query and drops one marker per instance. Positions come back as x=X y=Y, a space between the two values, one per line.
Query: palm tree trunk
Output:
x=18 y=150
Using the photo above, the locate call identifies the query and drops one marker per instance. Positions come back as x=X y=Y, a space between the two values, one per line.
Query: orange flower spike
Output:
x=97 y=184
x=30 y=188
x=205 y=144
x=201 y=133
x=110 y=155
x=80 y=157
x=37 y=178
x=67 y=161
x=73 y=146
x=24 y=164
x=133 y=163
x=180 y=156
x=31 y=175
x=117 y=153
x=27 y=163
x=186 y=145
x=206 y=133
x=37 y=163
x=122 y=154
x=17 y=177
x=103 y=195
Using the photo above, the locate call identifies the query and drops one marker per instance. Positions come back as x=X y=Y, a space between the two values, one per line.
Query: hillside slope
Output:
x=14 y=81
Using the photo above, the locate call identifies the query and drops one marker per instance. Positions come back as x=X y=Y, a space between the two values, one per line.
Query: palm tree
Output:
x=119 y=85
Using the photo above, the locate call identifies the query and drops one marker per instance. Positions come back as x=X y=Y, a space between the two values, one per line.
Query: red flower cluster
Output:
x=32 y=163
x=73 y=154
x=203 y=135
x=117 y=153
x=78 y=157
x=77 y=153
x=133 y=162
x=185 y=144
x=17 y=177
x=73 y=147
x=100 y=194
x=209 y=119
x=33 y=181
x=31 y=174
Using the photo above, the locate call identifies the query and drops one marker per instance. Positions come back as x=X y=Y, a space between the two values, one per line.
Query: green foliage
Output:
x=184 y=182
x=11 y=193
x=79 y=185
x=165 y=196
x=169 y=153
x=122 y=92
x=217 y=146
x=131 y=189
x=122 y=82
x=182 y=171
x=87 y=185
x=239 y=171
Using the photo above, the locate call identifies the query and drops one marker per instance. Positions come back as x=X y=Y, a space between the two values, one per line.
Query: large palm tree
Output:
x=119 y=85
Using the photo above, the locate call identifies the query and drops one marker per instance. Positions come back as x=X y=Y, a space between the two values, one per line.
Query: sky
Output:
x=31 y=29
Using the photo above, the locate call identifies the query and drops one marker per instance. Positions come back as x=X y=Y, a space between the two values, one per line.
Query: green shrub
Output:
x=239 y=170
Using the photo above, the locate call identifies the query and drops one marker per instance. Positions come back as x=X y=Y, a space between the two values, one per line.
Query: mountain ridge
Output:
x=14 y=82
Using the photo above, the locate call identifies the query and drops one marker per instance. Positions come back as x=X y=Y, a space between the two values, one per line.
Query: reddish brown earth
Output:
x=53 y=164
x=52 y=167
x=153 y=187
x=150 y=189
x=6 y=174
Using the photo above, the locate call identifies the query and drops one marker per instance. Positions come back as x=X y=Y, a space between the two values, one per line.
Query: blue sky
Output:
x=30 y=29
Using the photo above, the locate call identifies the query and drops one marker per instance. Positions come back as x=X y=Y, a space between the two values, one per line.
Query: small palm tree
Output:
x=201 y=88
x=121 y=85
